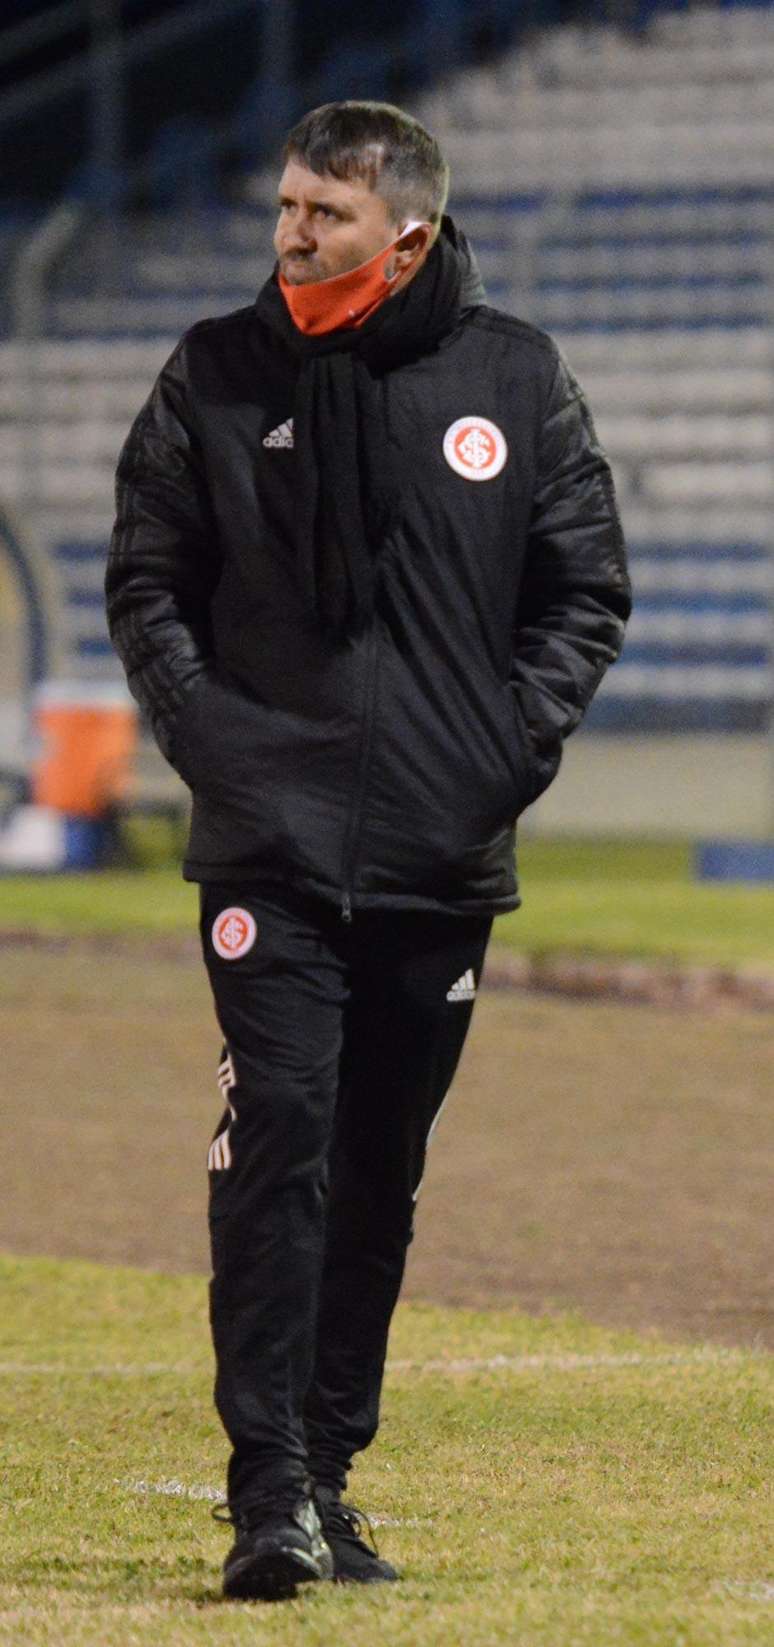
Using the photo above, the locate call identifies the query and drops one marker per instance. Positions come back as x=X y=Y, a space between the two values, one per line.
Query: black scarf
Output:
x=345 y=480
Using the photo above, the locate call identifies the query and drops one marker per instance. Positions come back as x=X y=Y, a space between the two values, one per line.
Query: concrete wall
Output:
x=701 y=785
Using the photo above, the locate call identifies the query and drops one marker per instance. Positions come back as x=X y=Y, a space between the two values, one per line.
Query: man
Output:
x=366 y=574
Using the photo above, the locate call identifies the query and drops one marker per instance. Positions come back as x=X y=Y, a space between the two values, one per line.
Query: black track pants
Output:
x=340 y=1044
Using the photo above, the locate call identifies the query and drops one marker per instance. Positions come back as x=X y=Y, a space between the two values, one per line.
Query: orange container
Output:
x=87 y=736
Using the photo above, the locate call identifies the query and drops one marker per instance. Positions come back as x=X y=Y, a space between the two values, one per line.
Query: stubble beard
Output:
x=301 y=273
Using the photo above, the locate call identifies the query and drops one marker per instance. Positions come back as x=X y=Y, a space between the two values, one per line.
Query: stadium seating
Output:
x=618 y=191
x=652 y=267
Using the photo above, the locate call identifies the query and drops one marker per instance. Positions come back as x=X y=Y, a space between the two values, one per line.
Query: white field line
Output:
x=172 y=1489
x=568 y=1362
x=760 y=1589
x=104 y=1369
x=198 y=1491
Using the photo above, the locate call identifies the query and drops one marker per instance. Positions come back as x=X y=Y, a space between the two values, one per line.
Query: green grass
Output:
x=589 y=858
x=150 y=900
x=668 y=920
x=618 y=1501
x=635 y=898
x=618 y=898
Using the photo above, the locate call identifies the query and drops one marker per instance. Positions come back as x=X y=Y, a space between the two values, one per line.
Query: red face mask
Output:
x=320 y=306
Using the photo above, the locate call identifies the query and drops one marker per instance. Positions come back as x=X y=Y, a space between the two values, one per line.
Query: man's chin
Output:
x=300 y=274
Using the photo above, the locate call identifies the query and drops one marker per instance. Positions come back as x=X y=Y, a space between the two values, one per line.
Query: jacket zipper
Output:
x=352 y=837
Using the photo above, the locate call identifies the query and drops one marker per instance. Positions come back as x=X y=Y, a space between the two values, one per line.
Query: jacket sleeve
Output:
x=163 y=562
x=575 y=595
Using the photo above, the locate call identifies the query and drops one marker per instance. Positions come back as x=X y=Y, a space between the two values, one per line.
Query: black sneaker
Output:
x=354 y=1561
x=279 y=1544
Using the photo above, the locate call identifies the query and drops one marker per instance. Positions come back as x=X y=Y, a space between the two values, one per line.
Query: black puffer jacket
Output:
x=388 y=770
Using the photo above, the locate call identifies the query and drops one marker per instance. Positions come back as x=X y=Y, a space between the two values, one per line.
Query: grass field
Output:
x=613 y=898
x=539 y=1482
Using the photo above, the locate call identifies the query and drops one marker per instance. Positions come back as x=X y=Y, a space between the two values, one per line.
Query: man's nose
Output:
x=300 y=233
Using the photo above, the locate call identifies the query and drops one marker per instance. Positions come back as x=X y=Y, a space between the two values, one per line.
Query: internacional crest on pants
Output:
x=475 y=448
x=233 y=933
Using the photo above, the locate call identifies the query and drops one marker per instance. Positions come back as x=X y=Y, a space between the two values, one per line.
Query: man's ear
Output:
x=412 y=245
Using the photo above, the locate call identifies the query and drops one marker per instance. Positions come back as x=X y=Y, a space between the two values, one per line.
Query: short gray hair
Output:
x=382 y=144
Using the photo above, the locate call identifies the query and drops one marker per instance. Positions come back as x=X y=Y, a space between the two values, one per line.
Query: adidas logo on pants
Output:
x=464 y=989
x=282 y=436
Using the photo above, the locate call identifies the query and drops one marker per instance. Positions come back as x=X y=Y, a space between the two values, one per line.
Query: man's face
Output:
x=327 y=225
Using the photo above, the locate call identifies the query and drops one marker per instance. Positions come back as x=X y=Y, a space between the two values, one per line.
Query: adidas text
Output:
x=282 y=436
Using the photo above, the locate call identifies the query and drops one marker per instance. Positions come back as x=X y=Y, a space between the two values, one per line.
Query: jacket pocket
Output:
x=215 y=731
x=536 y=767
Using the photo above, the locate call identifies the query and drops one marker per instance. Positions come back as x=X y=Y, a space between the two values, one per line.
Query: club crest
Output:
x=233 y=933
x=475 y=448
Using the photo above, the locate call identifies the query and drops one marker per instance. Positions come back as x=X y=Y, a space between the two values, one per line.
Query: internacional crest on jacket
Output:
x=475 y=448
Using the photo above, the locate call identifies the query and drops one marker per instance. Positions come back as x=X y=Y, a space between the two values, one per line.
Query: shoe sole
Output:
x=372 y=1578
x=273 y=1574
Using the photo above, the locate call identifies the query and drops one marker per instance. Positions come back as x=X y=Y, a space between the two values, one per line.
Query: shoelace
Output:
x=349 y=1522
x=277 y=1501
